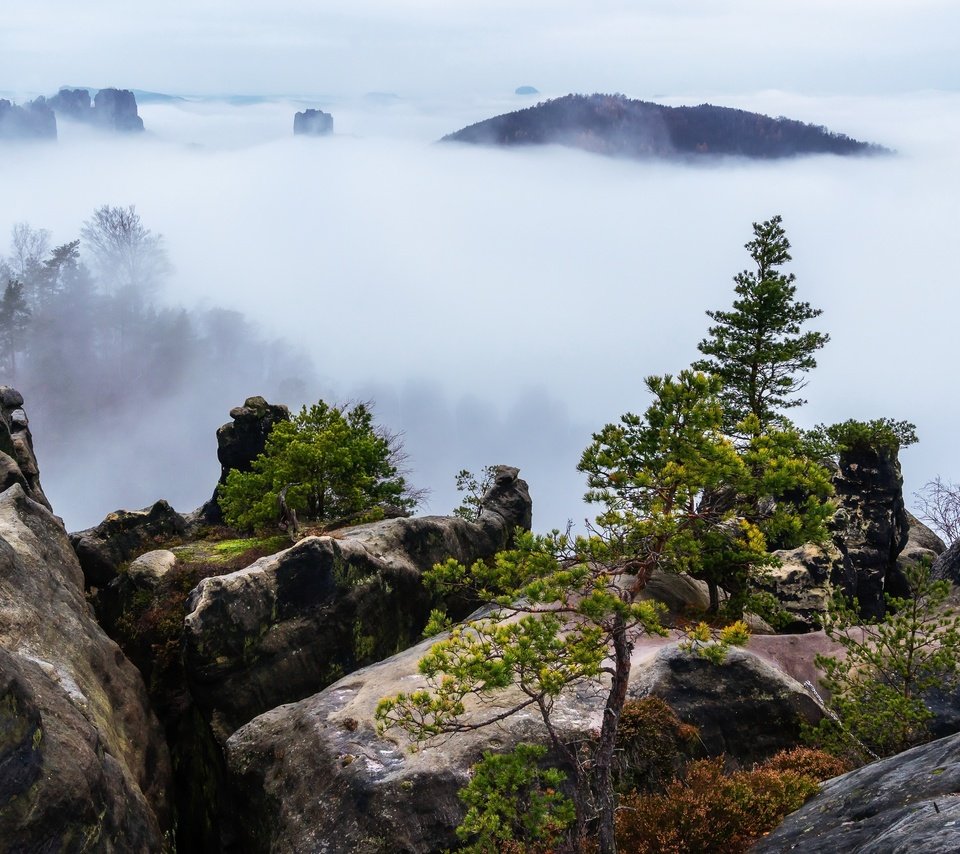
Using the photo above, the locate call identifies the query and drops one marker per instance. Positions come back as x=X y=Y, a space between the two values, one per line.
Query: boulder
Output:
x=18 y=462
x=746 y=708
x=83 y=763
x=291 y=623
x=240 y=442
x=947 y=565
x=121 y=536
x=148 y=570
x=922 y=544
x=312 y=123
x=871 y=526
x=316 y=776
x=907 y=802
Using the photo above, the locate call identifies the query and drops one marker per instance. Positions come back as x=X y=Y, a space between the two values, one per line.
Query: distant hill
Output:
x=616 y=125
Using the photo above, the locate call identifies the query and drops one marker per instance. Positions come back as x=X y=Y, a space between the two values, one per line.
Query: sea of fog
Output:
x=500 y=305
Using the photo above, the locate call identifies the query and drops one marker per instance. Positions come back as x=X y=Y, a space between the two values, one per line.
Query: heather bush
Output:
x=652 y=744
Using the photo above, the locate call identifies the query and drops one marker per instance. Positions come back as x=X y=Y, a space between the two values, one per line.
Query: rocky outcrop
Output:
x=116 y=109
x=83 y=764
x=745 y=708
x=240 y=442
x=315 y=776
x=33 y=120
x=296 y=621
x=922 y=544
x=805 y=581
x=904 y=803
x=312 y=123
x=121 y=536
x=871 y=526
x=112 y=109
x=18 y=463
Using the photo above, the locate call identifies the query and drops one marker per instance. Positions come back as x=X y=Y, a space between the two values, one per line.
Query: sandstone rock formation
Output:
x=313 y=123
x=33 y=120
x=240 y=442
x=83 y=763
x=871 y=525
x=904 y=803
x=805 y=581
x=296 y=621
x=112 y=109
x=121 y=536
x=315 y=776
x=18 y=463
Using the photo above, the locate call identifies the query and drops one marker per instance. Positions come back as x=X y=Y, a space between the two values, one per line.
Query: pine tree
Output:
x=758 y=350
x=14 y=320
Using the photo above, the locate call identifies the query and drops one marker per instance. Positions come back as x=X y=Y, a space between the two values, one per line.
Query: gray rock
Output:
x=947 y=565
x=111 y=109
x=313 y=123
x=240 y=442
x=906 y=803
x=148 y=570
x=315 y=776
x=871 y=526
x=922 y=544
x=746 y=707
x=804 y=582
x=291 y=623
x=34 y=120
x=121 y=536
x=83 y=763
x=18 y=462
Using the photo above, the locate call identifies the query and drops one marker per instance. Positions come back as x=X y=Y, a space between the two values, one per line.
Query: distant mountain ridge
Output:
x=620 y=126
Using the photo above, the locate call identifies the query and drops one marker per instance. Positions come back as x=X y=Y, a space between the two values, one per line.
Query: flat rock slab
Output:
x=906 y=803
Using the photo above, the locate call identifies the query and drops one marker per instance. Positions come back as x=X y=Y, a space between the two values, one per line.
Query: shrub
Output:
x=709 y=812
x=808 y=762
x=514 y=804
x=652 y=743
x=879 y=434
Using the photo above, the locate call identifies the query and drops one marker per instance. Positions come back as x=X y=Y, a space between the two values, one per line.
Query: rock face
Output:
x=240 y=442
x=18 y=463
x=83 y=763
x=805 y=581
x=121 y=536
x=922 y=544
x=116 y=109
x=871 y=526
x=34 y=120
x=904 y=803
x=313 y=123
x=745 y=708
x=296 y=621
x=112 y=109
x=315 y=776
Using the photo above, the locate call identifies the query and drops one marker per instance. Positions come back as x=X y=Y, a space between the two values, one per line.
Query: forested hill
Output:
x=616 y=125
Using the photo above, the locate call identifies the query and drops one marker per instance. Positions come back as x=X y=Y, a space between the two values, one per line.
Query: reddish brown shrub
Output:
x=808 y=762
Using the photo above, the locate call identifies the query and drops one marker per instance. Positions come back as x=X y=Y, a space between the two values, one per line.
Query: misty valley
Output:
x=580 y=480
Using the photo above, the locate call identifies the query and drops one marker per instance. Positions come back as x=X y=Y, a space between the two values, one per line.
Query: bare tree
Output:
x=939 y=505
x=28 y=247
x=125 y=253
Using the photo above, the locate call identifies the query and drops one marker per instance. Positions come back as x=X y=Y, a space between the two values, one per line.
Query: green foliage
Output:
x=758 y=350
x=878 y=686
x=474 y=488
x=709 y=812
x=880 y=434
x=684 y=498
x=703 y=641
x=510 y=798
x=335 y=462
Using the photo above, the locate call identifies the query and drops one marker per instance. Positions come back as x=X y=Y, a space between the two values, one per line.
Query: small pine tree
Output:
x=878 y=686
x=758 y=349
x=14 y=321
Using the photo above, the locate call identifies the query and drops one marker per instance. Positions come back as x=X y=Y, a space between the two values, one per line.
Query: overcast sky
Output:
x=426 y=47
x=501 y=305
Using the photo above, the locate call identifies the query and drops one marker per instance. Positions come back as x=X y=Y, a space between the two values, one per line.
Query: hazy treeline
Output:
x=86 y=336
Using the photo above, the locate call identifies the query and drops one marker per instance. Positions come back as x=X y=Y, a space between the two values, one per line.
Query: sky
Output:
x=499 y=306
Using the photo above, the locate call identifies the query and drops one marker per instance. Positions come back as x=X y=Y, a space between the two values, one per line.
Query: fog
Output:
x=498 y=305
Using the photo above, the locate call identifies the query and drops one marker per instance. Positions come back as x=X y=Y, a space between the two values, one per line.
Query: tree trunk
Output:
x=714 y=592
x=604 y=795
